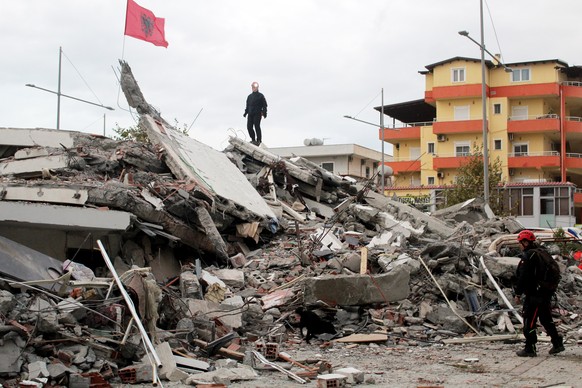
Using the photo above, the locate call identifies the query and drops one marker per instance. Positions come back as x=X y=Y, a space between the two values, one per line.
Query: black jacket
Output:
x=527 y=282
x=256 y=103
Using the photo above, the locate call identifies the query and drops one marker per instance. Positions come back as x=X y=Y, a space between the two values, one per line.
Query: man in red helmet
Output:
x=537 y=303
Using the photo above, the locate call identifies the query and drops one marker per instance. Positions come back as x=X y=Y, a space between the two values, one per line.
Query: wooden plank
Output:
x=362 y=338
x=364 y=261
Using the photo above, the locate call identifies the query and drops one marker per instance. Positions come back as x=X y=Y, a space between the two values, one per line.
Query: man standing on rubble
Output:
x=537 y=303
x=256 y=109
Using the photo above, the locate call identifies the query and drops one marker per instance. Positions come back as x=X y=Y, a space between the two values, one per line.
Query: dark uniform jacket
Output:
x=256 y=104
x=526 y=273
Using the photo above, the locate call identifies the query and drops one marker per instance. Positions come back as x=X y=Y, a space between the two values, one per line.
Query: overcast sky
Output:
x=315 y=60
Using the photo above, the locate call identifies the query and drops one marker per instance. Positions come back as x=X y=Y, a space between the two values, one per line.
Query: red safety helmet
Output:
x=526 y=235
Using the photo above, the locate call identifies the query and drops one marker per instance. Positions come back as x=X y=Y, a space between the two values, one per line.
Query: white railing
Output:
x=573 y=118
x=572 y=83
x=412 y=125
x=573 y=155
x=534 y=117
x=526 y=153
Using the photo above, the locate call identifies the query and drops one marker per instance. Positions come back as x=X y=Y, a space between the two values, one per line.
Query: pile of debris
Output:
x=130 y=262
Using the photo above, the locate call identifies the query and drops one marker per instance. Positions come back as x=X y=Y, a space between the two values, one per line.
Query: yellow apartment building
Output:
x=534 y=127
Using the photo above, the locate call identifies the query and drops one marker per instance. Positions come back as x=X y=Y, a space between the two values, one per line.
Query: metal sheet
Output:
x=21 y=263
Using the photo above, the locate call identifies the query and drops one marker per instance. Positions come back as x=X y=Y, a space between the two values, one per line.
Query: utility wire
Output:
x=375 y=97
x=494 y=30
x=81 y=76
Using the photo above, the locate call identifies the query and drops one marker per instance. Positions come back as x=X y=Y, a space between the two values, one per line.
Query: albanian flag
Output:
x=141 y=23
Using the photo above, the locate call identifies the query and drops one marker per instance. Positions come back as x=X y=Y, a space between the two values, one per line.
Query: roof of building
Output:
x=327 y=150
x=489 y=63
x=415 y=111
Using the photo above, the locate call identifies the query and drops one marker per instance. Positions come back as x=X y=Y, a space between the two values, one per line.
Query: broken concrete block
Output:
x=137 y=373
x=57 y=370
x=331 y=380
x=79 y=381
x=37 y=369
x=351 y=261
x=71 y=306
x=190 y=286
x=7 y=302
x=256 y=280
x=353 y=375
x=169 y=370
x=352 y=290
x=231 y=277
x=11 y=350
x=213 y=310
x=388 y=263
x=238 y=261
x=243 y=372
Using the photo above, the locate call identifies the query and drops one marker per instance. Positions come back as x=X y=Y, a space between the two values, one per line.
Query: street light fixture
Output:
x=484 y=101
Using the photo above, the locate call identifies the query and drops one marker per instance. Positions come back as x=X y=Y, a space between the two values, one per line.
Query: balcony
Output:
x=574 y=162
x=538 y=160
x=400 y=165
x=533 y=124
x=578 y=198
x=409 y=132
x=441 y=162
x=457 y=126
x=573 y=126
x=572 y=89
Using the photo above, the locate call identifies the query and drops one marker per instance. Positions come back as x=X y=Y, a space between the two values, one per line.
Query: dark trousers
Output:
x=534 y=308
x=254 y=120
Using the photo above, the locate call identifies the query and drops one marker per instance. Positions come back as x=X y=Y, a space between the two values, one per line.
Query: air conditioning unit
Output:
x=440 y=175
x=511 y=172
x=510 y=136
x=441 y=138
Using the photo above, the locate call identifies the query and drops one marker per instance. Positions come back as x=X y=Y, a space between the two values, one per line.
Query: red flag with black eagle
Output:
x=141 y=23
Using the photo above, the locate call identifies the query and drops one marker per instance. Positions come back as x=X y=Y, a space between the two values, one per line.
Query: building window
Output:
x=367 y=172
x=327 y=166
x=497 y=144
x=520 y=149
x=462 y=149
x=462 y=112
x=497 y=109
x=431 y=148
x=562 y=201
x=520 y=75
x=458 y=74
x=431 y=180
x=519 y=202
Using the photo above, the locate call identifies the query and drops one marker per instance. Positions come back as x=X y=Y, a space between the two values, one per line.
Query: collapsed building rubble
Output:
x=211 y=253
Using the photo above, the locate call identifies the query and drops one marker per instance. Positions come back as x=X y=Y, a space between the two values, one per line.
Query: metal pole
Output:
x=103 y=124
x=484 y=105
x=59 y=91
x=382 y=129
x=130 y=305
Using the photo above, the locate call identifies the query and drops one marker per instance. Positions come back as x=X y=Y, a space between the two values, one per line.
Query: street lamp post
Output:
x=484 y=100
x=59 y=94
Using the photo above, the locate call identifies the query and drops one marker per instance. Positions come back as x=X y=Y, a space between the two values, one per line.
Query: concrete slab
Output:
x=31 y=137
x=355 y=290
x=44 y=193
x=211 y=169
x=33 y=166
x=65 y=217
